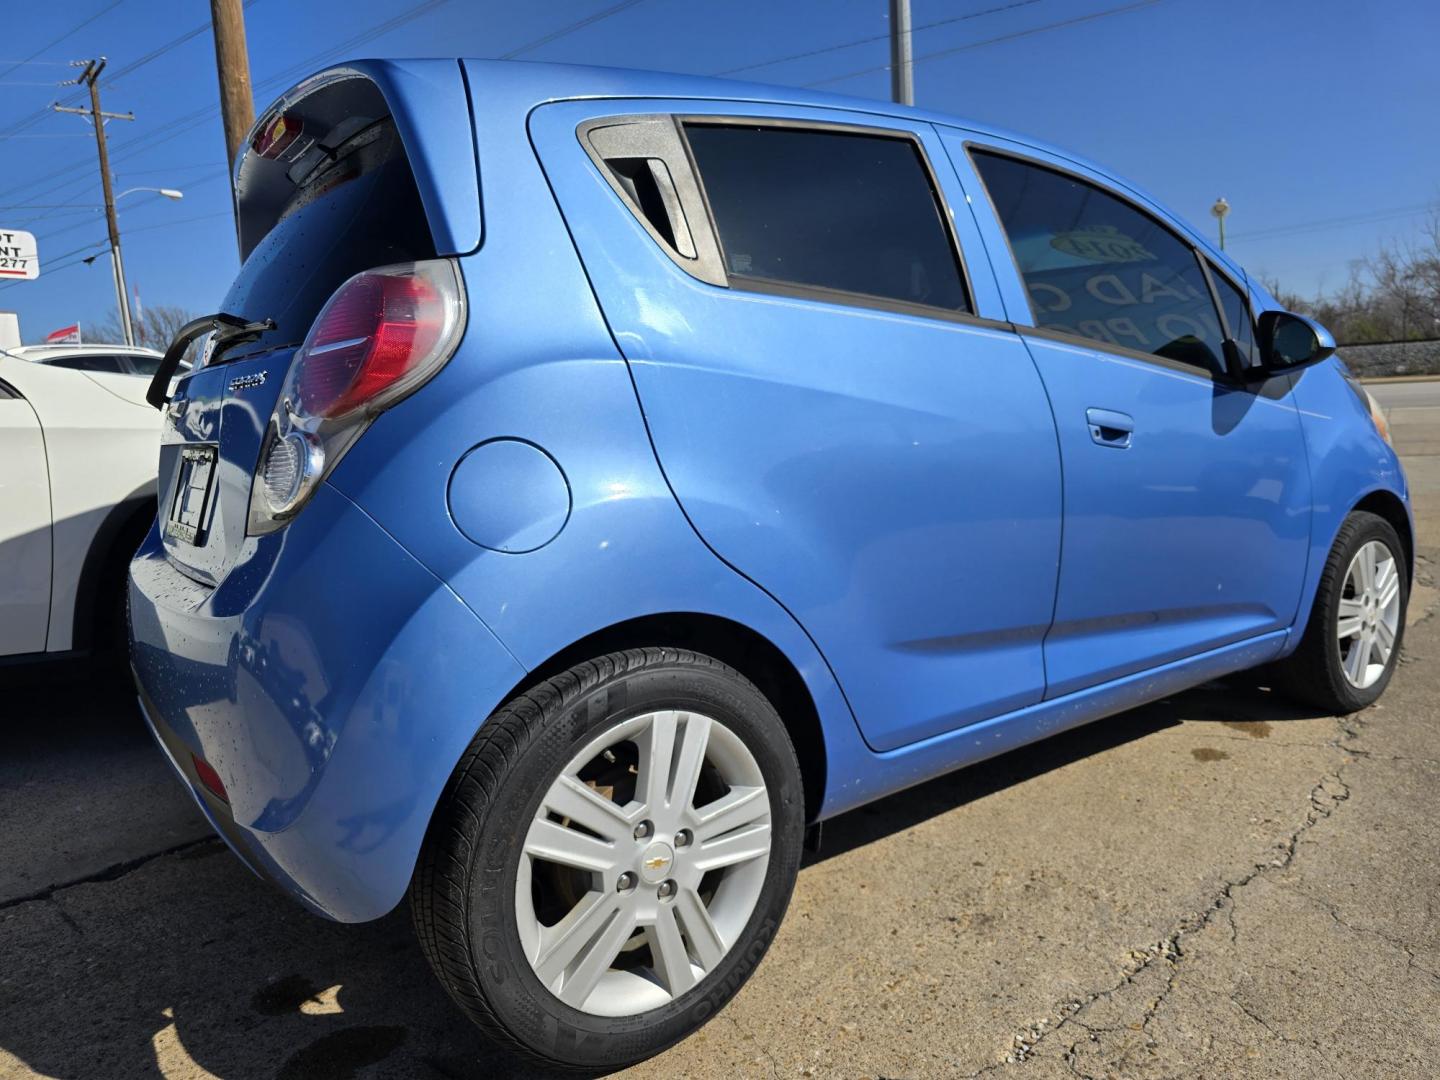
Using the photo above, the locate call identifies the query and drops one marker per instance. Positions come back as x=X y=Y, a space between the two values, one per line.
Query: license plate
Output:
x=190 y=509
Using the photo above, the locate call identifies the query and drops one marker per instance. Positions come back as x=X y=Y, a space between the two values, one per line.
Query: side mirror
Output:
x=1288 y=342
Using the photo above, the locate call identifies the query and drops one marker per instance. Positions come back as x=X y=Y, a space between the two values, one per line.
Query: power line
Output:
x=61 y=264
x=161 y=50
x=80 y=254
x=153 y=54
x=579 y=24
x=1320 y=225
x=993 y=41
x=51 y=44
x=875 y=37
x=180 y=125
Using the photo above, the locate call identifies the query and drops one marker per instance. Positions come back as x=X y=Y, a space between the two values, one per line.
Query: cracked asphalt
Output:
x=1217 y=885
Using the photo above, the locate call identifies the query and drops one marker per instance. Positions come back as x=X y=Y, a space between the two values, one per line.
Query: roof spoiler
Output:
x=429 y=103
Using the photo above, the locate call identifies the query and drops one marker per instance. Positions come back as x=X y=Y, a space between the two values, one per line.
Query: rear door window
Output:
x=1099 y=267
x=828 y=212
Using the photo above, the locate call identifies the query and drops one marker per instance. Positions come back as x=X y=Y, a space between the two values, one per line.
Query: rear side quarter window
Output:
x=825 y=211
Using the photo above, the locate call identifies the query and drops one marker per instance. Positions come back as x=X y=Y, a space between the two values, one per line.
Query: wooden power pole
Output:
x=91 y=77
x=232 y=65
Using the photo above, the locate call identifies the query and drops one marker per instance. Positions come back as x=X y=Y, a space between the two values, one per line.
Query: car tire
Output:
x=494 y=914
x=1323 y=669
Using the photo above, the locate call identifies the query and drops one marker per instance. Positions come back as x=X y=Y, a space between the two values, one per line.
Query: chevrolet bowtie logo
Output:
x=658 y=862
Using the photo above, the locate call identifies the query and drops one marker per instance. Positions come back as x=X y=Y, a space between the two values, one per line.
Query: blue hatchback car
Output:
x=596 y=478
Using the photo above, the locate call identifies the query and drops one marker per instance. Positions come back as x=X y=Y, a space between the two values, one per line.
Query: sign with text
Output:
x=19 y=258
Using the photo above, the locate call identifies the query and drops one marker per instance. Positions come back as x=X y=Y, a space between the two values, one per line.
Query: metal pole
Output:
x=117 y=270
x=122 y=299
x=232 y=65
x=902 y=76
x=1222 y=234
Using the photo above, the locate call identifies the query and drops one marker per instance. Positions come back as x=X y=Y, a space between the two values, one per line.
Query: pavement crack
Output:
x=1327 y=795
x=768 y=1057
x=1256 y=1017
x=1399 y=944
x=109 y=873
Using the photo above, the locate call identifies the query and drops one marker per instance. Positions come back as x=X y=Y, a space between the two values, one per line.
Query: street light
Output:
x=1219 y=210
x=168 y=192
x=117 y=264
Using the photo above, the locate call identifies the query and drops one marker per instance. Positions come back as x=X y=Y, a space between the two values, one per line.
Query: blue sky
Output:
x=1316 y=119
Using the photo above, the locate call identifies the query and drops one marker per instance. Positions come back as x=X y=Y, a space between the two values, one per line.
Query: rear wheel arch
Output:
x=737 y=646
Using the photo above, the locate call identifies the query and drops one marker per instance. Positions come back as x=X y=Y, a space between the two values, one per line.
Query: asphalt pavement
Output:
x=1216 y=885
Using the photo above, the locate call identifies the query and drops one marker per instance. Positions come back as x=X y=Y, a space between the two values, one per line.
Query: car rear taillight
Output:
x=372 y=333
x=383 y=334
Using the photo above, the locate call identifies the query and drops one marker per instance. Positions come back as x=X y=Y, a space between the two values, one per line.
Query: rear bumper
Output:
x=332 y=683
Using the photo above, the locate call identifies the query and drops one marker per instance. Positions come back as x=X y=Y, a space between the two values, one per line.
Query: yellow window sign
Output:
x=1102 y=244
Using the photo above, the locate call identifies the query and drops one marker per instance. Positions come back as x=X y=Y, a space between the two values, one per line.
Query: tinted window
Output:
x=142 y=364
x=1096 y=266
x=1237 y=312
x=90 y=362
x=828 y=210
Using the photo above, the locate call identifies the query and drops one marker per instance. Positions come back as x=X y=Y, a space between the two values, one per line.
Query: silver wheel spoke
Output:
x=695 y=736
x=700 y=929
x=548 y=840
x=563 y=942
x=1367 y=568
x=739 y=806
x=672 y=961
x=736 y=847
x=598 y=957
x=1356 y=659
x=585 y=806
x=1389 y=589
x=657 y=748
x=1385 y=638
x=1352 y=617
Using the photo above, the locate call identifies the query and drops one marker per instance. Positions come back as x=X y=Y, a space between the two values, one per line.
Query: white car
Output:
x=78 y=447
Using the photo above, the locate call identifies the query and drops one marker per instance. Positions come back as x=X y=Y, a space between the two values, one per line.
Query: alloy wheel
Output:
x=1369 y=617
x=643 y=863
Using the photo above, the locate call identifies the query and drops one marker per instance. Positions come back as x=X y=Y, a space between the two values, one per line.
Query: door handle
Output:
x=1109 y=428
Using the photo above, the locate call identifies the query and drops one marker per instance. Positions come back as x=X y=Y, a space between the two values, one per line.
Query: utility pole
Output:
x=232 y=65
x=902 y=75
x=91 y=77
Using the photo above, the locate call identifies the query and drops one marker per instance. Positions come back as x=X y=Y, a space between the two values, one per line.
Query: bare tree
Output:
x=1407 y=281
x=1392 y=296
x=155 y=328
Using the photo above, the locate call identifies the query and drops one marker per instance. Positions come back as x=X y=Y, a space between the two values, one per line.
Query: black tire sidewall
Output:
x=525 y=1007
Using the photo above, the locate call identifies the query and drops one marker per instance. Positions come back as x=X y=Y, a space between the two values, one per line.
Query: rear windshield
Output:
x=359 y=212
